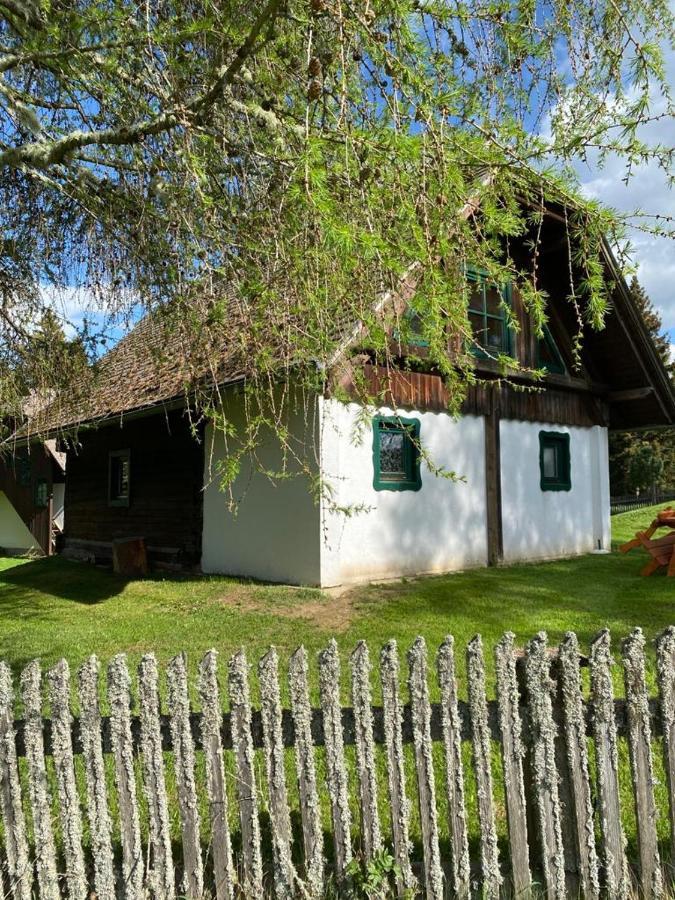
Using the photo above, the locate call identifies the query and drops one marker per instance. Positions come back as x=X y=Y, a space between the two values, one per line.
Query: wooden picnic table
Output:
x=661 y=549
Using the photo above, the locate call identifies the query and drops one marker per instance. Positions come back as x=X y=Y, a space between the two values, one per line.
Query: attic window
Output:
x=396 y=461
x=119 y=472
x=554 y=461
x=548 y=355
x=487 y=315
x=411 y=332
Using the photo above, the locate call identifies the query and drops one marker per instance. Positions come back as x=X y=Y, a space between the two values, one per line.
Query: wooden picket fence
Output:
x=563 y=810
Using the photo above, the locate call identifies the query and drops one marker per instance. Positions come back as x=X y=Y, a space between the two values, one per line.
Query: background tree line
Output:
x=645 y=461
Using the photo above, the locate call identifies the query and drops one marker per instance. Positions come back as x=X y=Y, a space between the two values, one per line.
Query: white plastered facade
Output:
x=538 y=524
x=357 y=533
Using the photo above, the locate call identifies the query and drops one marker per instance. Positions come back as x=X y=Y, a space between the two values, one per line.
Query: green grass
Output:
x=51 y=608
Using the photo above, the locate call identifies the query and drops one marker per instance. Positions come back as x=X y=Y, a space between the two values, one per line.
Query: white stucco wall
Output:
x=14 y=535
x=275 y=534
x=545 y=524
x=439 y=528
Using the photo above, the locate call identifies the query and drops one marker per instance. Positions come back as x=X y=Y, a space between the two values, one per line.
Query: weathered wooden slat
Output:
x=640 y=753
x=45 y=849
x=392 y=709
x=119 y=698
x=426 y=782
x=70 y=814
x=329 y=688
x=665 y=669
x=161 y=875
x=240 y=705
x=513 y=753
x=280 y=820
x=579 y=815
x=306 y=768
x=19 y=866
x=482 y=757
x=454 y=769
x=184 y=767
x=365 y=750
x=544 y=773
x=613 y=842
x=211 y=718
x=97 y=791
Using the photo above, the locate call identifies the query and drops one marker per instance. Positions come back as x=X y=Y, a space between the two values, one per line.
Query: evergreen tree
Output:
x=645 y=460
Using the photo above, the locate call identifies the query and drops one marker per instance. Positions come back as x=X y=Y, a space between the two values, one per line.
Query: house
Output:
x=532 y=465
x=32 y=491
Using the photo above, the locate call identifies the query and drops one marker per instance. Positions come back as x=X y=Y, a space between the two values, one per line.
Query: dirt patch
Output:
x=331 y=613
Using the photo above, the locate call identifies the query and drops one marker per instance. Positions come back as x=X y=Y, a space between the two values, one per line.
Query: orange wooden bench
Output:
x=662 y=550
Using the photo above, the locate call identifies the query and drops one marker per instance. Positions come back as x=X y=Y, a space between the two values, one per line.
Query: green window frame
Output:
x=119 y=478
x=481 y=313
x=394 y=435
x=555 y=365
x=41 y=493
x=555 y=466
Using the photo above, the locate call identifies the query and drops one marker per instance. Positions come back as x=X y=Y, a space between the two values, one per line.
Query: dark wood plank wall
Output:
x=22 y=496
x=416 y=390
x=166 y=479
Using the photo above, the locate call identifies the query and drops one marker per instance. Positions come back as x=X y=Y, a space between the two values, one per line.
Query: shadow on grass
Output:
x=68 y=580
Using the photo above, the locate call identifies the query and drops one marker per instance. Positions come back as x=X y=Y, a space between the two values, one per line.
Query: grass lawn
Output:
x=51 y=608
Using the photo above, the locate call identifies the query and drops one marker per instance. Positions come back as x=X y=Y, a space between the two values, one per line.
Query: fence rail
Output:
x=630 y=501
x=563 y=814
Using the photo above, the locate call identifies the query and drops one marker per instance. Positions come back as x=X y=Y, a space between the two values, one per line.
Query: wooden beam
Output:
x=493 y=481
x=630 y=394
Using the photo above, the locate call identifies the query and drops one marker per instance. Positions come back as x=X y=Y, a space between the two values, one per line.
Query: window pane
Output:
x=477 y=322
x=392 y=454
x=493 y=300
x=119 y=477
x=124 y=477
x=550 y=458
x=495 y=335
x=476 y=298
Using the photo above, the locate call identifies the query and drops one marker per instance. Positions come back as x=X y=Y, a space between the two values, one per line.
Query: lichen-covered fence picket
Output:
x=266 y=801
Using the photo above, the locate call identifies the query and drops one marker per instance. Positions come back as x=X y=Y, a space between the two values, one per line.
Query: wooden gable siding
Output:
x=416 y=390
x=166 y=478
x=40 y=463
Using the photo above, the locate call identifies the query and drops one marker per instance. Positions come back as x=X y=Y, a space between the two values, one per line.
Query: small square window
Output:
x=396 y=460
x=119 y=477
x=41 y=493
x=554 y=461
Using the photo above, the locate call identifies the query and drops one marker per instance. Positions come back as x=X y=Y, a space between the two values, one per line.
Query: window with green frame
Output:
x=412 y=331
x=487 y=314
x=396 y=458
x=548 y=355
x=555 y=469
x=41 y=493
